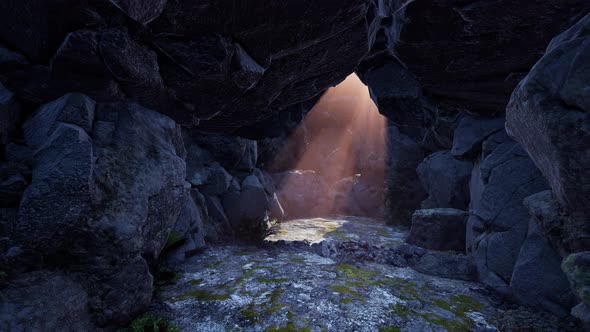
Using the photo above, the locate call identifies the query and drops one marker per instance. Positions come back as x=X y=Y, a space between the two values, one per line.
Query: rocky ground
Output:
x=298 y=282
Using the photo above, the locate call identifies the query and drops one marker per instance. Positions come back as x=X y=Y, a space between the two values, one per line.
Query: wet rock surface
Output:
x=293 y=286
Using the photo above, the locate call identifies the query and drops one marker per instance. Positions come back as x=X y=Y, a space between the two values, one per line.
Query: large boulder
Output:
x=209 y=72
x=439 y=229
x=498 y=220
x=446 y=180
x=577 y=269
x=107 y=187
x=471 y=133
x=45 y=301
x=447 y=265
x=403 y=193
x=537 y=279
x=463 y=53
x=549 y=115
x=245 y=209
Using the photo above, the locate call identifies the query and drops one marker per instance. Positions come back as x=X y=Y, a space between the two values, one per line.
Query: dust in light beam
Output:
x=344 y=135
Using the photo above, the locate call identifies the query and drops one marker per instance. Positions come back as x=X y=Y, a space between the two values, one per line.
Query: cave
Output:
x=350 y=165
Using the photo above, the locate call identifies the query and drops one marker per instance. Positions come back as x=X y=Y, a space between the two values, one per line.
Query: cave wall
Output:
x=112 y=171
x=443 y=73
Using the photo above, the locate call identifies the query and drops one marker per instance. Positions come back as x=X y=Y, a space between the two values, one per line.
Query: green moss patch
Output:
x=201 y=295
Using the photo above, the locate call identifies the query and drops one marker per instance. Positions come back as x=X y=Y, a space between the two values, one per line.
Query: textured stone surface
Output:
x=199 y=63
x=446 y=180
x=469 y=55
x=499 y=220
x=439 y=229
x=537 y=279
x=403 y=189
x=107 y=187
x=549 y=115
x=577 y=269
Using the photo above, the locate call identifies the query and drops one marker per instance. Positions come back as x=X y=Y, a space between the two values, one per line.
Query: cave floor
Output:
x=285 y=287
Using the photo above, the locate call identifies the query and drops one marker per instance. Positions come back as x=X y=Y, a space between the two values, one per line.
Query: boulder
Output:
x=446 y=180
x=211 y=180
x=107 y=187
x=464 y=54
x=549 y=115
x=565 y=233
x=447 y=265
x=44 y=301
x=248 y=207
x=403 y=191
x=498 y=220
x=537 y=279
x=188 y=234
x=577 y=269
x=232 y=152
x=439 y=229
x=471 y=133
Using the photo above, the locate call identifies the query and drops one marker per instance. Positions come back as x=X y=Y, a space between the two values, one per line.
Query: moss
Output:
x=272 y=280
x=243 y=252
x=344 y=290
x=213 y=265
x=297 y=260
x=350 y=273
x=173 y=240
x=150 y=323
x=273 y=304
x=408 y=290
x=459 y=305
x=401 y=310
x=250 y=314
x=289 y=327
x=201 y=295
x=389 y=329
x=449 y=325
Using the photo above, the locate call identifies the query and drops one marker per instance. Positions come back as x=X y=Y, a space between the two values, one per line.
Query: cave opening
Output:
x=335 y=162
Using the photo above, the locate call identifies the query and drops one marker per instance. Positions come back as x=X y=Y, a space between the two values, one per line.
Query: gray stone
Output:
x=447 y=265
x=250 y=206
x=403 y=192
x=537 y=279
x=498 y=220
x=577 y=269
x=471 y=133
x=101 y=208
x=565 y=233
x=549 y=115
x=212 y=180
x=446 y=180
x=439 y=229
x=188 y=234
x=141 y=11
x=582 y=313
x=44 y=301
x=232 y=152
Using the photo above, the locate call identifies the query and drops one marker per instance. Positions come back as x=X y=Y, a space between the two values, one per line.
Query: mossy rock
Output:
x=577 y=269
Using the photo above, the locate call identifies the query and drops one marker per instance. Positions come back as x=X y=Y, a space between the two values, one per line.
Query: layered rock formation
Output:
x=548 y=114
x=222 y=65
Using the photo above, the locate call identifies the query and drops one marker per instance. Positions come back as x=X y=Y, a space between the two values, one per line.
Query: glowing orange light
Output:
x=344 y=135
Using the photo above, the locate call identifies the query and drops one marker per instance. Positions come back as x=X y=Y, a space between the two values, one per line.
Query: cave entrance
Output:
x=336 y=164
